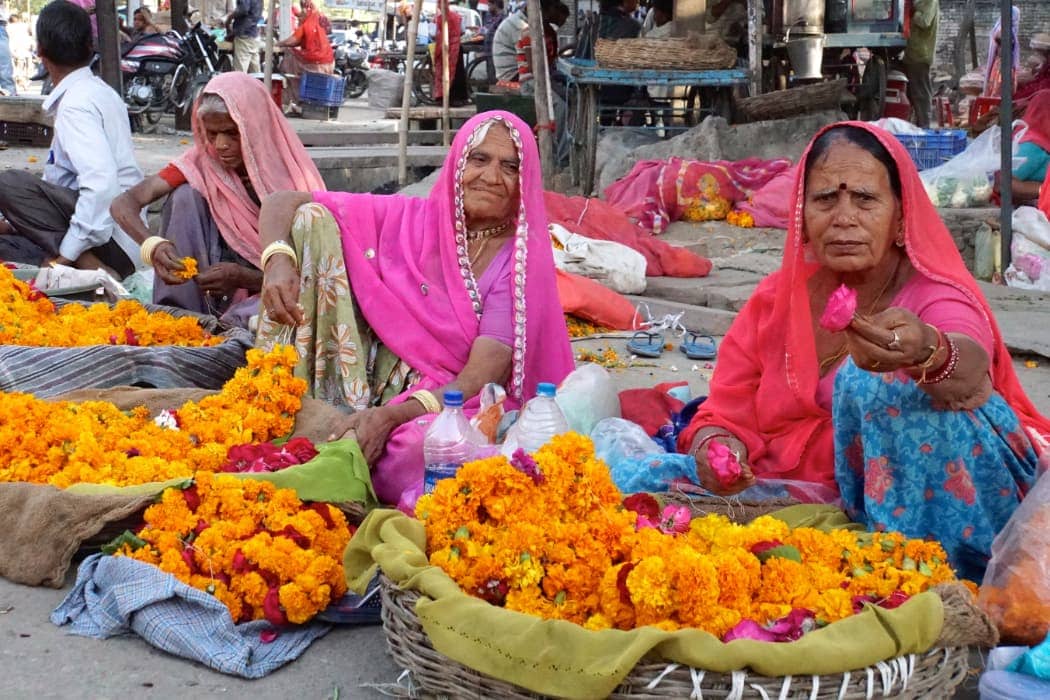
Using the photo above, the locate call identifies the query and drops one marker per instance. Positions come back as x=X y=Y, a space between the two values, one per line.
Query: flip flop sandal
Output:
x=646 y=344
x=697 y=346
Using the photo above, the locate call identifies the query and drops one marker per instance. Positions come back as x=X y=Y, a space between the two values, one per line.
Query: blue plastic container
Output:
x=935 y=147
x=321 y=89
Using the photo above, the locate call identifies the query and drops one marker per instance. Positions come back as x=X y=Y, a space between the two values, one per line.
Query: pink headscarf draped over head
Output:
x=274 y=157
x=764 y=389
x=407 y=263
x=1037 y=117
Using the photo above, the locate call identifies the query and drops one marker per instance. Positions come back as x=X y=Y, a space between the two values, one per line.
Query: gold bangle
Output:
x=149 y=247
x=277 y=248
x=427 y=399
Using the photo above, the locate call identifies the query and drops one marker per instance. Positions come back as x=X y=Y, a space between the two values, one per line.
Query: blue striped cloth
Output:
x=116 y=595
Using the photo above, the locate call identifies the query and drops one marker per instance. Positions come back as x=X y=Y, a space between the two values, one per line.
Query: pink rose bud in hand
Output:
x=723 y=463
x=838 y=313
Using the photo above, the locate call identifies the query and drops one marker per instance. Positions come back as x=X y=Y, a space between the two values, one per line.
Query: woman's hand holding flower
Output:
x=167 y=263
x=705 y=446
x=890 y=340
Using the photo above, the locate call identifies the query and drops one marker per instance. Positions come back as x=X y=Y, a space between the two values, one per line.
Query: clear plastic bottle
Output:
x=541 y=419
x=449 y=442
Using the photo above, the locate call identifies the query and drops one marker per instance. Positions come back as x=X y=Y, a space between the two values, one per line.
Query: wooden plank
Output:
x=358 y=137
x=419 y=113
x=376 y=157
x=25 y=109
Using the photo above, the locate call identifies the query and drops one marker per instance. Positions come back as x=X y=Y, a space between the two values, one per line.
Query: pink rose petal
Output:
x=723 y=463
x=841 y=306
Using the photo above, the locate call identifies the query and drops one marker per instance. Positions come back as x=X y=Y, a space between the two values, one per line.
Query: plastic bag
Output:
x=1016 y=588
x=1035 y=661
x=1030 y=250
x=1002 y=680
x=587 y=396
x=966 y=179
x=635 y=461
x=613 y=264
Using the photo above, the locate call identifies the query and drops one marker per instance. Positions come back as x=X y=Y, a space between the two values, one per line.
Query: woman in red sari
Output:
x=310 y=52
x=913 y=412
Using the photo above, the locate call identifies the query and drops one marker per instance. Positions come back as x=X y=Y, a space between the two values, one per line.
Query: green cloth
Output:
x=1033 y=162
x=922 y=42
x=558 y=658
x=338 y=474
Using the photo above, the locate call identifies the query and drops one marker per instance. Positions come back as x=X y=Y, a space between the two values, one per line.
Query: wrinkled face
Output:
x=224 y=136
x=491 y=178
x=851 y=214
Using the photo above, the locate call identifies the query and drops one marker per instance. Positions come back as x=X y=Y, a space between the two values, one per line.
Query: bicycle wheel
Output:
x=423 y=82
x=477 y=75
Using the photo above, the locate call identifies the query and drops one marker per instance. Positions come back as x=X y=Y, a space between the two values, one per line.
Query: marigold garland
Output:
x=255 y=547
x=549 y=535
x=581 y=327
x=739 y=218
x=28 y=317
x=63 y=443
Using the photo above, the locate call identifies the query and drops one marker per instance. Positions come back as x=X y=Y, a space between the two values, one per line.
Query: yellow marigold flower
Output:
x=189 y=268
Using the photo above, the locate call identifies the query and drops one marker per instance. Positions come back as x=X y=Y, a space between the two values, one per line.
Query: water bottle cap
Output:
x=545 y=389
x=454 y=398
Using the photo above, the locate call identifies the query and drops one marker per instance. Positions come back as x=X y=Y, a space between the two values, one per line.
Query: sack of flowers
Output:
x=92 y=466
x=51 y=347
x=534 y=577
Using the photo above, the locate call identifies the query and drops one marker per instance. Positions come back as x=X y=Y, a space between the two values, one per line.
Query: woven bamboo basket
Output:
x=739 y=510
x=793 y=101
x=683 y=53
x=935 y=673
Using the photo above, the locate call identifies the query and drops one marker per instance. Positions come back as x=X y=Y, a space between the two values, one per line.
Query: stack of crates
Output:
x=935 y=147
x=320 y=95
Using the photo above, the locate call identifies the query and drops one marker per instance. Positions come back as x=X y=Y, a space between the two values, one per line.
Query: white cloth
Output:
x=505 y=45
x=92 y=153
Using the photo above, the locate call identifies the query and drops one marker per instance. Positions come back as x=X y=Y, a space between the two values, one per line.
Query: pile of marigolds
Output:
x=550 y=535
x=63 y=443
x=27 y=317
x=256 y=548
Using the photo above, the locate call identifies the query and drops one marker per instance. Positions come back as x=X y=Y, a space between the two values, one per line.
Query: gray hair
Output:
x=211 y=103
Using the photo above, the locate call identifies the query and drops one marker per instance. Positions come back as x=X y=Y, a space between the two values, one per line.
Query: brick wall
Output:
x=1035 y=18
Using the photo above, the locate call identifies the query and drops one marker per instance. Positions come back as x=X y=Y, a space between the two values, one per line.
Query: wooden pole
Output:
x=178 y=23
x=446 y=126
x=109 y=44
x=1006 y=117
x=406 y=95
x=544 y=125
x=754 y=45
x=268 y=51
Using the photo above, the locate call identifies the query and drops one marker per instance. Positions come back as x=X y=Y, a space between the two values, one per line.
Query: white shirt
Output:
x=505 y=46
x=91 y=152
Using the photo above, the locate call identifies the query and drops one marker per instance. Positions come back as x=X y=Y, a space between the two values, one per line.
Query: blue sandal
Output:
x=646 y=344
x=697 y=346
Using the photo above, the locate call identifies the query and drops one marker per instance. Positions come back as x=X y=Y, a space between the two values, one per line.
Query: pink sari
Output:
x=274 y=157
x=408 y=270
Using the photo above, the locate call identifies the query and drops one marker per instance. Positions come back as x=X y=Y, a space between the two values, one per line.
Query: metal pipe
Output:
x=1006 y=67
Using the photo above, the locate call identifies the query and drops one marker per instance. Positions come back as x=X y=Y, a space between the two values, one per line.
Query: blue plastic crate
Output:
x=321 y=89
x=935 y=147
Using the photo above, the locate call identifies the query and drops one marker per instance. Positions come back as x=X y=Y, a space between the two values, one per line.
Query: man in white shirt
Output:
x=505 y=44
x=65 y=218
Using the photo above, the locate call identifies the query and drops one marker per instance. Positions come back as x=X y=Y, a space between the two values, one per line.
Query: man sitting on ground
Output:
x=64 y=218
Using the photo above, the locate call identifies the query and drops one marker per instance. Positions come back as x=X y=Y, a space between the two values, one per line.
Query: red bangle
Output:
x=948 y=368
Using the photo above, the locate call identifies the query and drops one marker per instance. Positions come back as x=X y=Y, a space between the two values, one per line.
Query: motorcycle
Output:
x=164 y=73
x=351 y=62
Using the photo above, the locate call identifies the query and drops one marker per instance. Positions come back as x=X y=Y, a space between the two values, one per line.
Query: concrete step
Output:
x=722 y=289
x=332 y=158
x=368 y=137
x=696 y=318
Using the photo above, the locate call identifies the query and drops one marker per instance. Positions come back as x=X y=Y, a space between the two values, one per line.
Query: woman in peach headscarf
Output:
x=212 y=214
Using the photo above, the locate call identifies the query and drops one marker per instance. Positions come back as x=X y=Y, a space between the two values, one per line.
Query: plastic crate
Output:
x=25 y=134
x=935 y=147
x=315 y=110
x=319 y=88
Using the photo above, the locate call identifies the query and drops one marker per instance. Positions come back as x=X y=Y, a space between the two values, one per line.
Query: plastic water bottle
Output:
x=540 y=420
x=448 y=442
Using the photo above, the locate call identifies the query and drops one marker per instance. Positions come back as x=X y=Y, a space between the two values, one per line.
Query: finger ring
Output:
x=895 y=344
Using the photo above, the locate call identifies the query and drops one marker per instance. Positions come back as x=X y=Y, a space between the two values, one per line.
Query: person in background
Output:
x=659 y=20
x=727 y=19
x=243 y=24
x=505 y=44
x=142 y=25
x=22 y=49
x=1033 y=152
x=993 y=76
x=64 y=218
x=311 y=52
x=457 y=89
x=918 y=58
x=7 y=68
x=495 y=16
x=615 y=20
x=244 y=150
x=1040 y=69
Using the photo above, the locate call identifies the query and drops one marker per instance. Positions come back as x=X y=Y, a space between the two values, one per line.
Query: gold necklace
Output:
x=841 y=352
x=486 y=233
x=477 y=254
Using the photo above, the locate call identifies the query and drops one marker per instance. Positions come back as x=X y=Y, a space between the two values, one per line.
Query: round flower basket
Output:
x=935 y=673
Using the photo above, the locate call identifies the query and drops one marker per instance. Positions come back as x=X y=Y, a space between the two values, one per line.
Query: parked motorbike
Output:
x=351 y=62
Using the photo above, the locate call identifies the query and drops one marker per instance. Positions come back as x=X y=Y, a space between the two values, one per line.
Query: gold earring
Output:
x=900 y=239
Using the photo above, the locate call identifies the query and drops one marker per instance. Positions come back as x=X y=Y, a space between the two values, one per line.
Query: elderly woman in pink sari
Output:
x=212 y=213
x=391 y=300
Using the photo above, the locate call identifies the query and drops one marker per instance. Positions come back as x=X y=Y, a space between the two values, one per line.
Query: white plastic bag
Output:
x=966 y=179
x=614 y=265
x=587 y=396
x=1029 y=250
